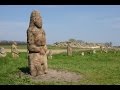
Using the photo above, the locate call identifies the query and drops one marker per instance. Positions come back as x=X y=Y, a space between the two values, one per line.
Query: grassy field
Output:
x=97 y=69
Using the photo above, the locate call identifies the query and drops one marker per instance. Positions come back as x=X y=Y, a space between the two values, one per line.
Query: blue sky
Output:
x=90 y=23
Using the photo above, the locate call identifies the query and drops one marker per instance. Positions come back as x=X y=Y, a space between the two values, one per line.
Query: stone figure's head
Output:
x=2 y=50
x=35 y=19
x=14 y=43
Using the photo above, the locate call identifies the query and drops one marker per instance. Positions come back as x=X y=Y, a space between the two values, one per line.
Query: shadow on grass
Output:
x=25 y=70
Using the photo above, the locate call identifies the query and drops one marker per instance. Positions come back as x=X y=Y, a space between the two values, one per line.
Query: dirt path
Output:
x=25 y=50
x=21 y=50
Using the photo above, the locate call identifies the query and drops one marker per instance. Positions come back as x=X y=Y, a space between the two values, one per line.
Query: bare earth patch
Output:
x=57 y=75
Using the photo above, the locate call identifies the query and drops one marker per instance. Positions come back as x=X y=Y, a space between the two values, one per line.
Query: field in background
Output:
x=19 y=46
x=98 y=69
x=25 y=47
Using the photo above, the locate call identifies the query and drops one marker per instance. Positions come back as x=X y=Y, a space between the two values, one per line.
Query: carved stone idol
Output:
x=69 y=49
x=2 y=52
x=14 y=50
x=36 y=45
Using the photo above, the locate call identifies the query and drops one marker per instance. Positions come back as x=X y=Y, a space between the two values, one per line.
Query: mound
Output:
x=57 y=75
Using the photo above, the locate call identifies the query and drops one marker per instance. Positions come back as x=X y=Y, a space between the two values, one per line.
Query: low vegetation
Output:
x=98 y=69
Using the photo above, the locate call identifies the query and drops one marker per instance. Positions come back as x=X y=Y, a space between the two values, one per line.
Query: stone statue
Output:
x=36 y=45
x=69 y=49
x=50 y=54
x=14 y=50
x=82 y=54
x=2 y=52
x=94 y=51
x=101 y=49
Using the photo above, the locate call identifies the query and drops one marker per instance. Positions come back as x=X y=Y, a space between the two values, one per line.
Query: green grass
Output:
x=95 y=69
x=98 y=69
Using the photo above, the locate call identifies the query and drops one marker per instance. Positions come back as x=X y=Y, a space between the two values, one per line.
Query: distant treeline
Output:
x=5 y=42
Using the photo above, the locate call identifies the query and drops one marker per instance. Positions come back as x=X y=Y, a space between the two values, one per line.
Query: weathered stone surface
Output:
x=50 y=54
x=2 y=52
x=94 y=51
x=69 y=49
x=79 y=44
x=82 y=54
x=14 y=50
x=36 y=45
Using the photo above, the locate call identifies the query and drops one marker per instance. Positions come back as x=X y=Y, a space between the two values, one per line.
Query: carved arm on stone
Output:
x=34 y=49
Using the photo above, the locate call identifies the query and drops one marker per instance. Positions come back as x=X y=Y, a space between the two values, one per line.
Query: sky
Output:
x=90 y=23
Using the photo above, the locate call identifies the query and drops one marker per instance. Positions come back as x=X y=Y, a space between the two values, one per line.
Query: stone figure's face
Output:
x=36 y=19
x=38 y=22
